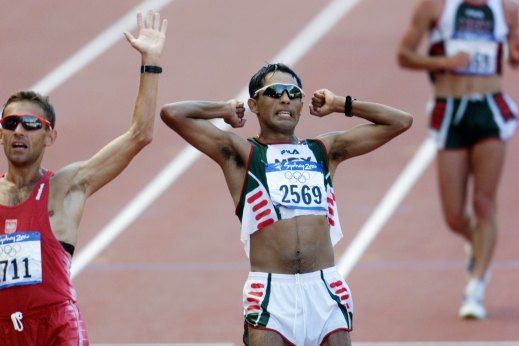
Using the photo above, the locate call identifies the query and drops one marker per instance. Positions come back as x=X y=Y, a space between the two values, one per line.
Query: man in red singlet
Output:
x=40 y=210
x=471 y=118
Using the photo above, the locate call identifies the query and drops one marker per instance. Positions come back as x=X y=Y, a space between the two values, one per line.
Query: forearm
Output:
x=415 y=61
x=195 y=110
x=149 y=43
x=374 y=112
x=381 y=114
x=145 y=107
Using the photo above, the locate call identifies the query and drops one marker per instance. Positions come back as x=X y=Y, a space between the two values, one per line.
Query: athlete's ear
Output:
x=253 y=105
x=51 y=137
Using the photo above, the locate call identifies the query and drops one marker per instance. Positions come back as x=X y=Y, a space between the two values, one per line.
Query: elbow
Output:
x=169 y=116
x=142 y=139
x=406 y=121
x=401 y=123
x=403 y=59
x=402 y=62
x=146 y=140
x=165 y=114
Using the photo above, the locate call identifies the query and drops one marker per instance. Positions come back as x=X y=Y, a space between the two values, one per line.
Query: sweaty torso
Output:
x=287 y=208
x=298 y=245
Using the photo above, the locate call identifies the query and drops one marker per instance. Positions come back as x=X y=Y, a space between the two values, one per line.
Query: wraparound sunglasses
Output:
x=29 y=122
x=277 y=90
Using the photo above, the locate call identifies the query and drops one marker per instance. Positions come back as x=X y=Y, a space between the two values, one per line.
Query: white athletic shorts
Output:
x=303 y=308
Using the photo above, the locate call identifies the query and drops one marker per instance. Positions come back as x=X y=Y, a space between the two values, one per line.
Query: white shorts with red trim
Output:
x=303 y=308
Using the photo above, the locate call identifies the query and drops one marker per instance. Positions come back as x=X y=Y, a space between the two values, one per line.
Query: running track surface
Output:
x=175 y=273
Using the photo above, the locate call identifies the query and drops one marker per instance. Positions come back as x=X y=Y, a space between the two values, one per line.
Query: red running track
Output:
x=175 y=274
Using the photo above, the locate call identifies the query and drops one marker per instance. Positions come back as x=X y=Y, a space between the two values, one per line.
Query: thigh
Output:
x=487 y=159
x=260 y=337
x=340 y=338
x=66 y=327
x=453 y=168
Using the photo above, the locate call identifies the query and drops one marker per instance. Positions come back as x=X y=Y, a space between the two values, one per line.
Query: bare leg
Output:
x=453 y=174
x=262 y=337
x=488 y=160
x=340 y=338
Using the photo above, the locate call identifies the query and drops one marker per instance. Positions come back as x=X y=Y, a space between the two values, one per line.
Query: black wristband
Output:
x=347 y=105
x=151 y=69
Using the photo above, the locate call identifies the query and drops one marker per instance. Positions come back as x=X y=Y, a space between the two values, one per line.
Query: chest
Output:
x=465 y=20
x=11 y=195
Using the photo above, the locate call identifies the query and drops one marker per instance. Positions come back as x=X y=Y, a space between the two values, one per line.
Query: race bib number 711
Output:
x=20 y=259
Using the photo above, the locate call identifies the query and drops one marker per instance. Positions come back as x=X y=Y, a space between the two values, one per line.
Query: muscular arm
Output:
x=73 y=184
x=110 y=161
x=192 y=121
x=385 y=124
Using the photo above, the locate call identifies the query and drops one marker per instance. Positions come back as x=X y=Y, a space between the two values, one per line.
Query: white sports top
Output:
x=479 y=30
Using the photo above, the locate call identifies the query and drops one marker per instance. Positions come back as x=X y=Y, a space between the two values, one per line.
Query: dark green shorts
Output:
x=457 y=123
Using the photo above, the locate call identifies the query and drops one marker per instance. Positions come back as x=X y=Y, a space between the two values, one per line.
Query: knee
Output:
x=457 y=222
x=484 y=206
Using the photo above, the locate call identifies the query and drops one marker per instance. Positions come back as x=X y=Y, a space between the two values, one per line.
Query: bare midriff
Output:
x=297 y=245
x=452 y=85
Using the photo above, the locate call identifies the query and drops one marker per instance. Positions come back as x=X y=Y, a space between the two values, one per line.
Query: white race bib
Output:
x=483 y=55
x=297 y=184
x=20 y=259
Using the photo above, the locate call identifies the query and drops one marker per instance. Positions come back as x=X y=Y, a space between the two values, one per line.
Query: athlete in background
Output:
x=471 y=118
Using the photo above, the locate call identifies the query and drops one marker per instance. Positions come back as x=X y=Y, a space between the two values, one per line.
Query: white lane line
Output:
x=387 y=206
x=132 y=210
x=95 y=48
x=311 y=34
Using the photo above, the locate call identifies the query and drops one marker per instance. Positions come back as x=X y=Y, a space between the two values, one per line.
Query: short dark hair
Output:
x=258 y=79
x=39 y=99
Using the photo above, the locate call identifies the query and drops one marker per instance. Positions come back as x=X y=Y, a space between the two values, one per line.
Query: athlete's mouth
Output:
x=19 y=145
x=284 y=114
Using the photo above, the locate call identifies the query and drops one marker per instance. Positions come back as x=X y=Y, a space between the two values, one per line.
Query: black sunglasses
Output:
x=29 y=122
x=277 y=90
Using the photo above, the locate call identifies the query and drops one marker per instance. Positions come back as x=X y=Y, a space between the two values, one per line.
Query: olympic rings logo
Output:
x=301 y=177
x=10 y=251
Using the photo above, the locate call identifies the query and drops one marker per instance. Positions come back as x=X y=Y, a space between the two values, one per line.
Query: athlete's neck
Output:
x=22 y=177
x=278 y=138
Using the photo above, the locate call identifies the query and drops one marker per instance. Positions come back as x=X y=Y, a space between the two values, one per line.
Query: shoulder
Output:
x=431 y=9
x=511 y=13
x=511 y=4
x=511 y=10
x=63 y=179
